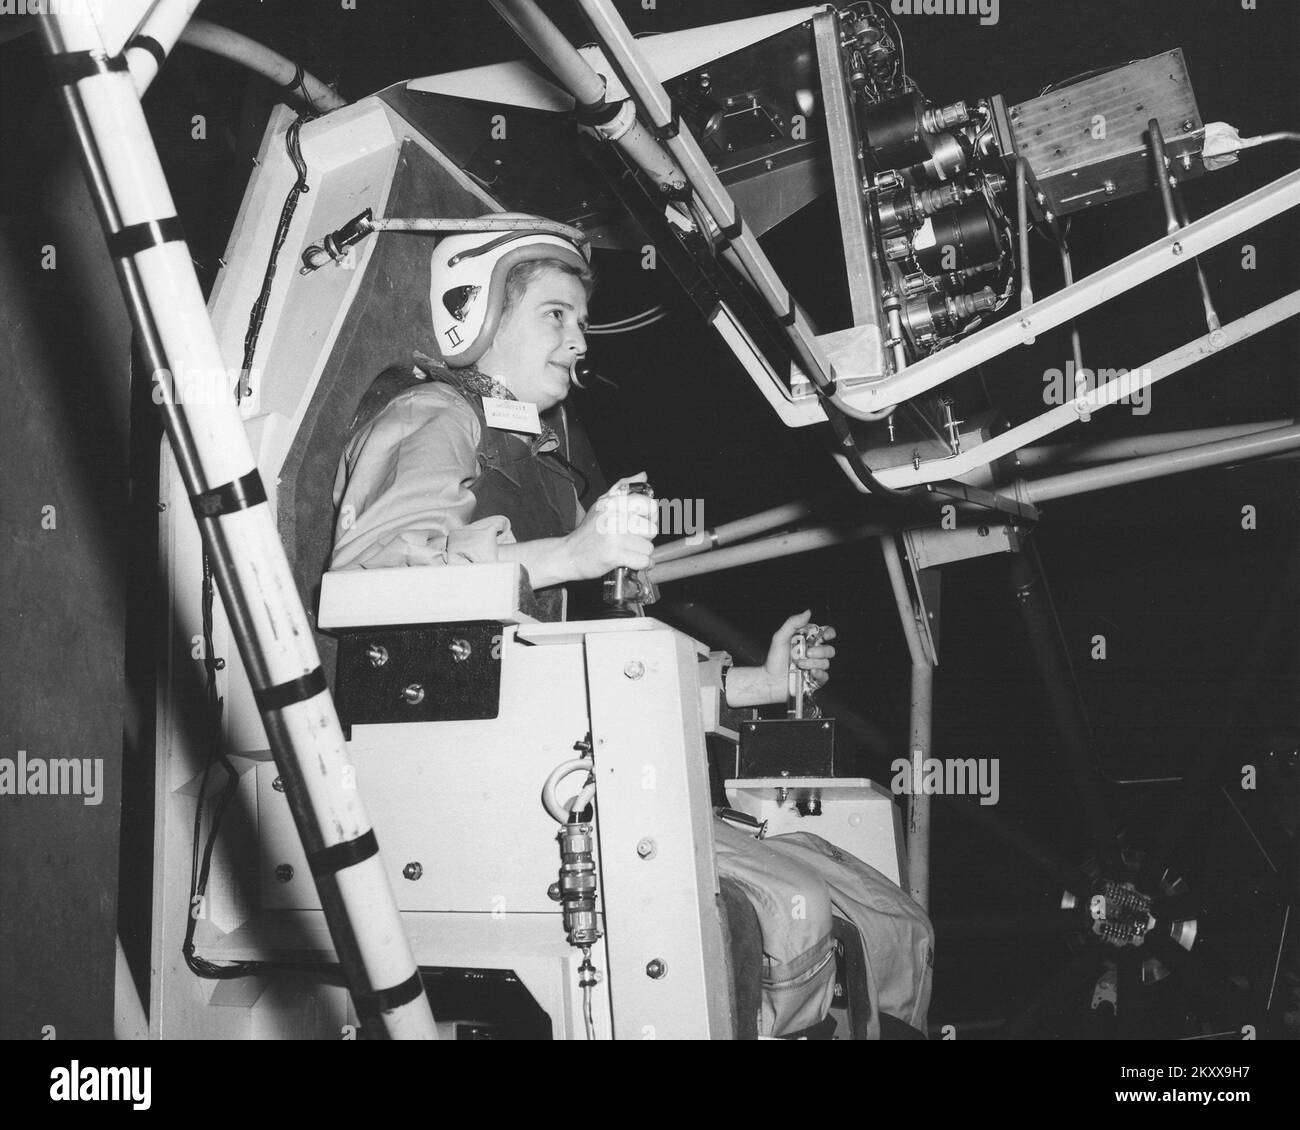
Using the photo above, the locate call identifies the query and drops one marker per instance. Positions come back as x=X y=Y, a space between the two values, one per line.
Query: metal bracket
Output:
x=437 y=673
x=930 y=547
x=1021 y=511
x=924 y=590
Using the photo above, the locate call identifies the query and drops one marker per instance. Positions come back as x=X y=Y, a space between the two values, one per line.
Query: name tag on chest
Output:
x=511 y=415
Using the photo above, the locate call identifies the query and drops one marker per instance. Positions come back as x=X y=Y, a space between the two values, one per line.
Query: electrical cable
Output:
x=216 y=755
x=897 y=37
x=258 y=313
x=557 y=811
x=587 y=1020
x=299 y=83
x=624 y=321
x=201 y=871
x=647 y=317
x=580 y=802
x=629 y=329
x=632 y=328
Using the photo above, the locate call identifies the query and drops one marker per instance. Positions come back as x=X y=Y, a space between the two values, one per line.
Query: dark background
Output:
x=1164 y=570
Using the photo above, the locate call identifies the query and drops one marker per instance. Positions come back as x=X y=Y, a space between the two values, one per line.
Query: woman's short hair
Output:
x=522 y=274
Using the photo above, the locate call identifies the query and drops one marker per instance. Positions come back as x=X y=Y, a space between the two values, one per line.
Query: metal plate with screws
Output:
x=800 y=747
x=437 y=673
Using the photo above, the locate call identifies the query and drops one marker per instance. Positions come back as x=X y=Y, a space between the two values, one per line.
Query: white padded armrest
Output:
x=430 y=594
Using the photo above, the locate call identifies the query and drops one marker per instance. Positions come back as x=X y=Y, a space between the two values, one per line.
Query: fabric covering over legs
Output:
x=795 y=883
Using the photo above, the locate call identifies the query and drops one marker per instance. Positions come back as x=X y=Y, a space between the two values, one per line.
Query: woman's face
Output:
x=538 y=339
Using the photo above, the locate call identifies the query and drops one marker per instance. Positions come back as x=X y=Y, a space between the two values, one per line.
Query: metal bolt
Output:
x=1109 y=186
x=646 y=848
x=377 y=654
x=1188 y=126
x=826 y=725
x=412 y=871
x=162 y=507
x=284 y=873
x=983 y=531
x=413 y=694
x=634 y=669
x=1178 y=248
x=278 y=784
x=460 y=650
x=656 y=968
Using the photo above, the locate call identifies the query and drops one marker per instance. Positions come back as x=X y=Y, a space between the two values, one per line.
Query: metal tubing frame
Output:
x=257 y=587
x=879 y=399
x=1161 y=162
x=285 y=72
x=730 y=532
x=1022 y=229
x=576 y=75
x=171 y=20
x=1212 y=321
x=163 y=25
x=763 y=549
x=922 y=708
x=557 y=54
x=1082 y=406
x=1067 y=276
x=1072 y=456
x=1257 y=445
x=1101 y=286
x=742 y=249
x=1174 y=221
x=846 y=167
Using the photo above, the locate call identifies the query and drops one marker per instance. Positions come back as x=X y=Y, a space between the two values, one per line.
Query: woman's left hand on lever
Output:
x=763 y=686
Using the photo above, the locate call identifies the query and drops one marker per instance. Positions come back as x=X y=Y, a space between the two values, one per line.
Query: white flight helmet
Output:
x=467 y=282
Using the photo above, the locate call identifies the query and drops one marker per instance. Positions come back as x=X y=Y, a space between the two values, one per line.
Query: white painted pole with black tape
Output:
x=211 y=448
